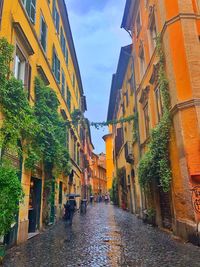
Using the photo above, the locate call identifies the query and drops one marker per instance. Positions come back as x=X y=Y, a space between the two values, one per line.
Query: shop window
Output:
x=146 y=119
x=63 y=84
x=30 y=6
x=56 y=66
x=56 y=17
x=43 y=33
x=60 y=192
x=159 y=106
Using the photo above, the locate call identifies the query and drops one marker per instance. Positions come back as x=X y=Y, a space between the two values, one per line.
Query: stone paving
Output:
x=105 y=236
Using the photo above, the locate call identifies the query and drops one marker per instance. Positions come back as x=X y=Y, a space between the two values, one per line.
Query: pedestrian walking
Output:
x=72 y=207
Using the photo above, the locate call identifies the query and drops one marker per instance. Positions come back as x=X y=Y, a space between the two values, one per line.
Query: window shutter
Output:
x=1 y=10
x=27 y=80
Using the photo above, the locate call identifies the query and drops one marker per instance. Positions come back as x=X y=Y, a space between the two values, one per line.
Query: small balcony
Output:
x=128 y=150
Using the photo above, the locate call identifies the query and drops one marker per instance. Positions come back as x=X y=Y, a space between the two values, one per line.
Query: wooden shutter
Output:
x=1 y=10
x=27 y=80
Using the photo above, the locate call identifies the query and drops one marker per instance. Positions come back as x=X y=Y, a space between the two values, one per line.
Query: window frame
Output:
x=56 y=69
x=56 y=17
x=63 y=84
x=42 y=19
x=146 y=119
x=29 y=12
x=159 y=104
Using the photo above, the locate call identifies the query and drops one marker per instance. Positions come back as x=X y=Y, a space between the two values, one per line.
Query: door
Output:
x=34 y=205
x=52 y=213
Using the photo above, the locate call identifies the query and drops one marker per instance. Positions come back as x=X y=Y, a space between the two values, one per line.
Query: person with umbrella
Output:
x=70 y=208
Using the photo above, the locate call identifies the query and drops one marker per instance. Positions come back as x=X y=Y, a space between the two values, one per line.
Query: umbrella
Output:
x=72 y=195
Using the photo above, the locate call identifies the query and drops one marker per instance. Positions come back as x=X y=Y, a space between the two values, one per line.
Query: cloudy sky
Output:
x=98 y=38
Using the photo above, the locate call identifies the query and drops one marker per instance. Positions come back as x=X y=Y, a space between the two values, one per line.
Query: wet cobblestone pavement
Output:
x=105 y=236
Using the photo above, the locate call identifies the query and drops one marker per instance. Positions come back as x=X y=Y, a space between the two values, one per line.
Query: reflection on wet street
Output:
x=105 y=236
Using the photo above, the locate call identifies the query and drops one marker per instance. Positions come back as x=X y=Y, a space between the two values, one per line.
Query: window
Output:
x=198 y=5
x=60 y=192
x=56 y=66
x=152 y=29
x=30 y=6
x=66 y=56
x=43 y=33
x=138 y=24
x=74 y=150
x=20 y=66
x=67 y=138
x=159 y=106
x=63 y=84
x=127 y=99
x=78 y=156
x=73 y=80
x=68 y=99
x=22 y=70
x=142 y=62
x=56 y=17
x=1 y=10
x=146 y=119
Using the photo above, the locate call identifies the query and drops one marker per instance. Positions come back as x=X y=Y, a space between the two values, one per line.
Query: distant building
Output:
x=99 y=179
x=109 y=160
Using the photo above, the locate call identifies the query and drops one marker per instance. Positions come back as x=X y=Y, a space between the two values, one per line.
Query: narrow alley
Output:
x=105 y=236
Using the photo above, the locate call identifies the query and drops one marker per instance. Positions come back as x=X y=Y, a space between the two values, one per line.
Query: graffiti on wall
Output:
x=196 y=199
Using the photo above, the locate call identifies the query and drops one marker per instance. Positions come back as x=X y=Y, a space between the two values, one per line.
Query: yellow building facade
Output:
x=41 y=35
x=125 y=148
x=109 y=160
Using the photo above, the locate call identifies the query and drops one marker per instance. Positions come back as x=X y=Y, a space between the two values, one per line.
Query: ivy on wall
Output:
x=155 y=162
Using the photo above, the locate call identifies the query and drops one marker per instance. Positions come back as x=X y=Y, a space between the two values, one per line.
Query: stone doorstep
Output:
x=31 y=235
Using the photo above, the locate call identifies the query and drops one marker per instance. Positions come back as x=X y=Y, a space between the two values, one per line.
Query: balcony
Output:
x=128 y=150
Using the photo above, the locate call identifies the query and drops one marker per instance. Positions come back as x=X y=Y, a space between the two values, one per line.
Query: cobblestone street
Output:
x=105 y=236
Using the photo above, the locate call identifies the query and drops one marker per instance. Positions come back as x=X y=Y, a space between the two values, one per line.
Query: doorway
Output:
x=34 y=205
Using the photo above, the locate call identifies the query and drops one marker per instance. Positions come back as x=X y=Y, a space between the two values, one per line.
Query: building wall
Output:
x=14 y=13
x=99 y=177
x=178 y=23
x=109 y=160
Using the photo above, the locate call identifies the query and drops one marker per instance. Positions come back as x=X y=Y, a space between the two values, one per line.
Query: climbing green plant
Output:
x=114 y=192
x=155 y=162
x=78 y=118
x=50 y=143
x=19 y=123
x=10 y=195
x=14 y=109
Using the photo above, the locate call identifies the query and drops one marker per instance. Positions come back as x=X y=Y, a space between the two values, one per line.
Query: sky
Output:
x=98 y=39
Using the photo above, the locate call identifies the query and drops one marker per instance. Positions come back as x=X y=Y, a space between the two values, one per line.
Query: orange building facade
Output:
x=178 y=24
x=99 y=178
